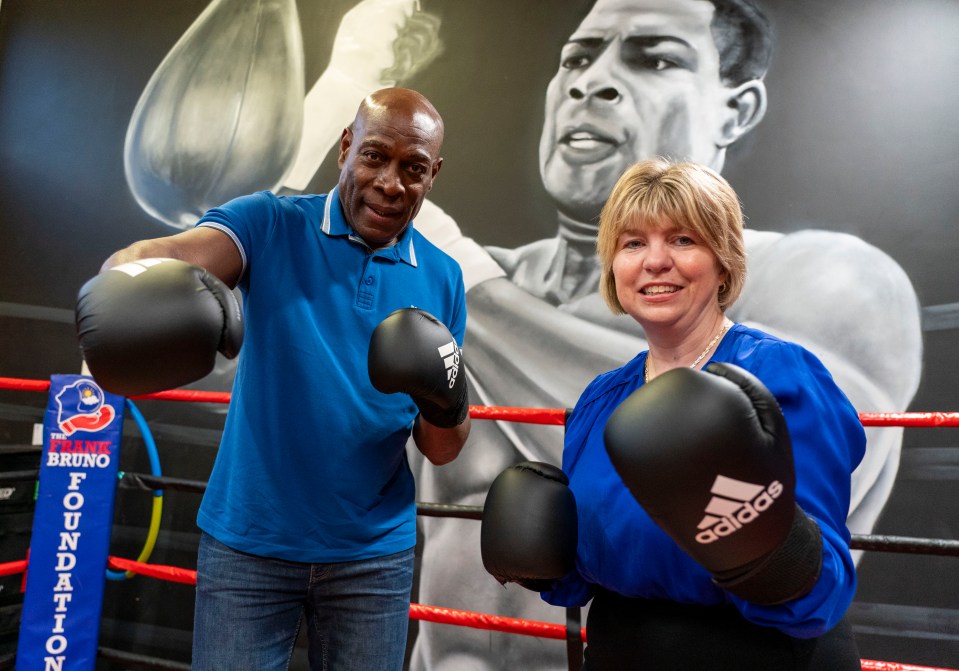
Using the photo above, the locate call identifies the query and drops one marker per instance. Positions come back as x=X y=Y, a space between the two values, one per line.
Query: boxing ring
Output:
x=573 y=633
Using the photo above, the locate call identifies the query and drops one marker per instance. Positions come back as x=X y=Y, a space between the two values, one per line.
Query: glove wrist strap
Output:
x=786 y=573
x=445 y=418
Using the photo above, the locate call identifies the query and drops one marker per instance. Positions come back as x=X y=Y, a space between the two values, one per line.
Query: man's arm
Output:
x=159 y=311
x=204 y=247
x=439 y=445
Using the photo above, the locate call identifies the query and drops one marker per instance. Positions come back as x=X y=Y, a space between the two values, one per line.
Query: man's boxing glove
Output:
x=708 y=455
x=155 y=324
x=529 y=529
x=412 y=352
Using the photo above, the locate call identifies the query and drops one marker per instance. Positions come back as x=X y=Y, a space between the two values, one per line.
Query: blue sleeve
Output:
x=828 y=443
x=570 y=592
x=574 y=590
x=454 y=312
x=250 y=220
x=458 y=319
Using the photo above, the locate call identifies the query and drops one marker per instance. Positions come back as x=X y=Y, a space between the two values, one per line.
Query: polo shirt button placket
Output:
x=366 y=289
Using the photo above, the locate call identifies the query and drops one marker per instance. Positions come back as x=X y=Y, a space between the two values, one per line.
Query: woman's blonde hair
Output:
x=688 y=195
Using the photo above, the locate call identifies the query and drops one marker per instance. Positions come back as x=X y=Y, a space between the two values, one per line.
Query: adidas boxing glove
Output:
x=708 y=456
x=155 y=324
x=529 y=528
x=412 y=352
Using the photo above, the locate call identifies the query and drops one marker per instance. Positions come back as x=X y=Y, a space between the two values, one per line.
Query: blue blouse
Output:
x=622 y=550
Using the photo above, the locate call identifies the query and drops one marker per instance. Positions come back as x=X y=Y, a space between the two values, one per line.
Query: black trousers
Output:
x=639 y=634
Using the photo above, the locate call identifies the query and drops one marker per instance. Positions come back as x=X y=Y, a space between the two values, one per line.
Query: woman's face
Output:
x=666 y=276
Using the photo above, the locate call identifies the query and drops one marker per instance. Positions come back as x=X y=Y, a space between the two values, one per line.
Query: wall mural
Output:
x=830 y=120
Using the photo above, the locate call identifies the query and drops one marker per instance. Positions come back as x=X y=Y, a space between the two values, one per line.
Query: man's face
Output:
x=637 y=79
x=387 y=166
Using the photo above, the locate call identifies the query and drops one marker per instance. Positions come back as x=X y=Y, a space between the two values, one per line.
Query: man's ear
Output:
x=346 y=139
x=435 y=169
x=746 y=107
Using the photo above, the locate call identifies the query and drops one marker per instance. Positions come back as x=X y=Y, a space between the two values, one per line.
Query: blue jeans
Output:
x=249 y=609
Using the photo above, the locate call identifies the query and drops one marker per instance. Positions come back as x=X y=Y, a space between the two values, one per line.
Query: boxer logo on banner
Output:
x=66 y=573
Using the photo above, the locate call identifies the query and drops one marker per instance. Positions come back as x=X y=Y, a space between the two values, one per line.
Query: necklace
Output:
x=726 y=325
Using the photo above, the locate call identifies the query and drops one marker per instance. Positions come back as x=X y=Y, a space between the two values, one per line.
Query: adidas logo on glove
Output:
x=734 y=504
x=451 y=359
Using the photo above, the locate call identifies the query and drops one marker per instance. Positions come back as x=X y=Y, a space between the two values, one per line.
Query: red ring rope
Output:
x=555 y=416
x=435 y=614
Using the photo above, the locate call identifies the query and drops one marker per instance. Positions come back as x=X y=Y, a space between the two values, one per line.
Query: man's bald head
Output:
x=402 y=105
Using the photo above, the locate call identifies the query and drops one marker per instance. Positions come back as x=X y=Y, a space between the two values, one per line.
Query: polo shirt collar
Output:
x=335 y=224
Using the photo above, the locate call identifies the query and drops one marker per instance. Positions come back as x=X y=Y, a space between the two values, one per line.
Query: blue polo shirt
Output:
x=623 y=550
x=312 y=464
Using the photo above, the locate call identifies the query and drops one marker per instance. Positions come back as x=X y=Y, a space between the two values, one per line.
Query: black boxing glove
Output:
x=529 y=529
x=708 y=456
x=155 y=324
x=412 y=352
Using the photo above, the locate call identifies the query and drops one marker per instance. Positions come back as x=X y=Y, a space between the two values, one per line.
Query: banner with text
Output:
x=73 y=517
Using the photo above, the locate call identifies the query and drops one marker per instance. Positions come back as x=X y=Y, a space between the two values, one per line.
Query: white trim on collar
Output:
x=325 y=226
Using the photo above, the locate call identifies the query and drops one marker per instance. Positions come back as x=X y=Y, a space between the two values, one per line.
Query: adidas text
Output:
x=451 y=359
x=745 y=512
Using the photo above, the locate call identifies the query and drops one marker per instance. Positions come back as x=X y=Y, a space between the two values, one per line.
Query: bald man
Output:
x=310 y=508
